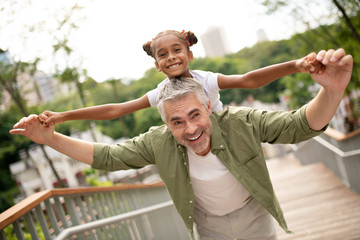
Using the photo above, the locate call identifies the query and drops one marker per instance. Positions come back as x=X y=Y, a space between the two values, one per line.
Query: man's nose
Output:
x=190 y=128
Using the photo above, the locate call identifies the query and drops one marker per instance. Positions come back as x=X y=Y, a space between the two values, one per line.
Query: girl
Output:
x=171 y=51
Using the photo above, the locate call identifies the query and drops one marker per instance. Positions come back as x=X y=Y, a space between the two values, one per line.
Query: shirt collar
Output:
x=217 y=141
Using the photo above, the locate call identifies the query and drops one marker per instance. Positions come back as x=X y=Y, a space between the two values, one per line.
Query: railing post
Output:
x=18 y=231
x=52 y=217
x=42 y=221
x=31 y=226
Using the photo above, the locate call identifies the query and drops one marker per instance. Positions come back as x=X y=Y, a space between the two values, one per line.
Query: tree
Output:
x=10 y=69
x=302 y=12
x=9 y=73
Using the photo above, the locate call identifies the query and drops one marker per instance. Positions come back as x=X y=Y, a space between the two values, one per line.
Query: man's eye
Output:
x=177 y=123
x=196 y=115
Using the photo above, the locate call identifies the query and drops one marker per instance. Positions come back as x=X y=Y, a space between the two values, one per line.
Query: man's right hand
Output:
x=32 y=128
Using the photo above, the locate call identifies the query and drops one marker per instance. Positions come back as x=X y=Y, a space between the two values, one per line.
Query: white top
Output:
x=216 y=190
x=209 y=82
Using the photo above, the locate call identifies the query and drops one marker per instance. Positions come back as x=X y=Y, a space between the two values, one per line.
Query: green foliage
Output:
x=92 y=178
x=7 y=195
x=10 y=232
x=145 y=119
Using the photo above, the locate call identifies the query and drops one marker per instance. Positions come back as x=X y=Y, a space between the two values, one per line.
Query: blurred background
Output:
x=63 y=55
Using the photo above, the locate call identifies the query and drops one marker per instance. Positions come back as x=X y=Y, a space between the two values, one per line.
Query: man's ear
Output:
x=157 y=66
x=209 y=108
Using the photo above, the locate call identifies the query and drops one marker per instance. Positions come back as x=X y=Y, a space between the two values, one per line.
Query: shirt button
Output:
x=190 y=201
x=221 y=146
x=190 y=182
x=190 y=217
x=184 y=163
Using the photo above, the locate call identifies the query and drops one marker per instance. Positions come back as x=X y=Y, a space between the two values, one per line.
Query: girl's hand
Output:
x=309 y=64
x=47 y=118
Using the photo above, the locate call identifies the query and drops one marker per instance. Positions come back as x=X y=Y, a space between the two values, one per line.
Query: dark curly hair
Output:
x=188 y=38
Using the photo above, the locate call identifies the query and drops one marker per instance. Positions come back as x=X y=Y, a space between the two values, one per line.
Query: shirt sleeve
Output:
x=209 y=81
x=152 y=94
x=286 y=127
x=131 y=154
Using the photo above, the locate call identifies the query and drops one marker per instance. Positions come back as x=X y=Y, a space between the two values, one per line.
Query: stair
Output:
x=316 y=204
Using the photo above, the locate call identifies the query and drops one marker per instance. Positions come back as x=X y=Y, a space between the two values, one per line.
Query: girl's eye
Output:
x=177 y=49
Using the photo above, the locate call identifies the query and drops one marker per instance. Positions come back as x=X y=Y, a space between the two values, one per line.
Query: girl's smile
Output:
x=172 y=56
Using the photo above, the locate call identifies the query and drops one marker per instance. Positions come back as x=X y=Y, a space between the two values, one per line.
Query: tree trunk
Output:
x=11 y=87
x=348 y=22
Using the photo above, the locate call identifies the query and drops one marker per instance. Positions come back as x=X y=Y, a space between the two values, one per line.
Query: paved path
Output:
x=316 y=204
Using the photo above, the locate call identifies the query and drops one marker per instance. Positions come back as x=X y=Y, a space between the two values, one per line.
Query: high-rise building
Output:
x=261 y=35
x=215 y=42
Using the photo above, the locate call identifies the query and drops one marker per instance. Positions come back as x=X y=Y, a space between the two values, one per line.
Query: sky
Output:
x=108 y=42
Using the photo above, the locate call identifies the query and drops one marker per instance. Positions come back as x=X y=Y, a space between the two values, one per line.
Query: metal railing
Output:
x=120 y=212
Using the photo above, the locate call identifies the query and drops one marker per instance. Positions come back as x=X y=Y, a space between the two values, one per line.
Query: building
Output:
x=261 y=35
x=38 y=88
x=215 y=42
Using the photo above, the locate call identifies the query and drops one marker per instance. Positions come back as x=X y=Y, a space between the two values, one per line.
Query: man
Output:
x=212 y=163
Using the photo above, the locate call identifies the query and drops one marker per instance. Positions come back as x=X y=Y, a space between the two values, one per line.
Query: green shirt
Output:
x=236 y=137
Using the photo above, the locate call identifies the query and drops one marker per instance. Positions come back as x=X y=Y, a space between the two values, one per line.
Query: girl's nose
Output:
x=171 y=56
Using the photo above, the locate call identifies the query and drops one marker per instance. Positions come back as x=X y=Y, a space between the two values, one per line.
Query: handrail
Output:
x=32 y=201
x=339 y=136
x=137 y=211
x=111 y=220
x=329 y=146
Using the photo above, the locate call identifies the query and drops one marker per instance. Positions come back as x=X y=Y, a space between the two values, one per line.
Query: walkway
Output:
x=316 y=204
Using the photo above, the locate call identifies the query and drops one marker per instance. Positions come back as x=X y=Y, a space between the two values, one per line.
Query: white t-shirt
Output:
x=209 y=82
x=216 y=190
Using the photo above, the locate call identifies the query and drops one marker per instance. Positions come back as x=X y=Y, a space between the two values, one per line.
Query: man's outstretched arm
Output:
x=32 y=128
x=334 y=80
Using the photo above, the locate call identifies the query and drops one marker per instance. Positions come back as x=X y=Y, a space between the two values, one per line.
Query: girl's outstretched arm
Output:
x=100 y=112
x=266 y=75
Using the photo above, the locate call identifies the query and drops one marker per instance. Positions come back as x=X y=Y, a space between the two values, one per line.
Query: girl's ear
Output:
x=191 y=56
x=157 y=66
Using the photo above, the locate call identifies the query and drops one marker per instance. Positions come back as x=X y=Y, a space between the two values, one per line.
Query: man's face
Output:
x=189 y=123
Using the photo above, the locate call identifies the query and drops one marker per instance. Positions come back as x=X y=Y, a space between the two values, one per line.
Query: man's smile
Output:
x=195 y=137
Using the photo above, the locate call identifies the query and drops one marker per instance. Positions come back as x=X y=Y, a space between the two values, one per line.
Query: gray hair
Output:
x=177 y=88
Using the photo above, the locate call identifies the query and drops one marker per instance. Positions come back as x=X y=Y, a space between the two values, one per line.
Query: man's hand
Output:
x=334 y=80
x=32 y=128
x=337 y=72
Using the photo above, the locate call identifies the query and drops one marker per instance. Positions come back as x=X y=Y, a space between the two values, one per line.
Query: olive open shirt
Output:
x=237 y=133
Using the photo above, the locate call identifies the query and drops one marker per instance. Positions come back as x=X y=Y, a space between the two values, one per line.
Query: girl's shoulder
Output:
x=201 y=75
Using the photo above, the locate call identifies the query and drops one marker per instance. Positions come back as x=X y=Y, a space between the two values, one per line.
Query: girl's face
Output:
x=172 y=56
